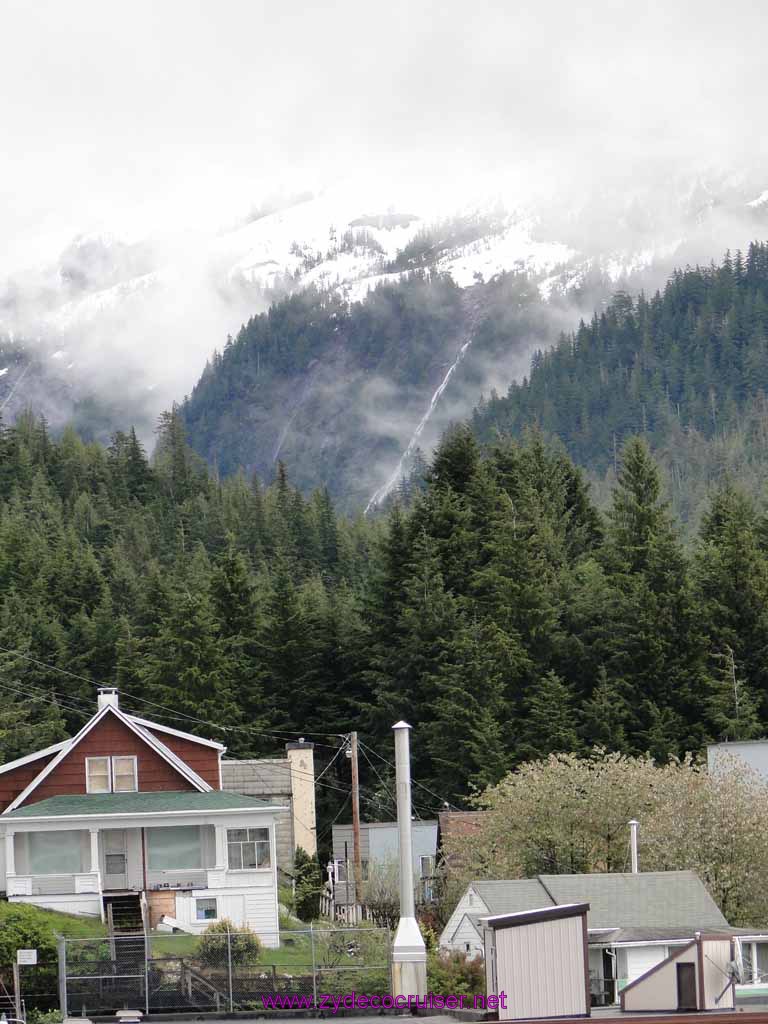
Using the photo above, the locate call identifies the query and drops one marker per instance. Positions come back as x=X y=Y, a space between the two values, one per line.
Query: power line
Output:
x=426 y=789
x=64 y=700
x=376 y=772
x=322 y=773
x=179 y=715
x=329 y=827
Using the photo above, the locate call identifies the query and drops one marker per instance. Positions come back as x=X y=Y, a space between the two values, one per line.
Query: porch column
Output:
x=221 y=848
x=94 y=849
x=10 y=859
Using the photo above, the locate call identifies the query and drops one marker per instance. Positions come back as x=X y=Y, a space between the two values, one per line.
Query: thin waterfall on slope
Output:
x=385 y=489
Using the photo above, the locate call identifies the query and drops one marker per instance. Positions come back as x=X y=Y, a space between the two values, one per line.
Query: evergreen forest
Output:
x=501 y=612
x=687 y=369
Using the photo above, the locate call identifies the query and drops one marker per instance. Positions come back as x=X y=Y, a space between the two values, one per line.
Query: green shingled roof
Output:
x=137 y=803
x=655 y=900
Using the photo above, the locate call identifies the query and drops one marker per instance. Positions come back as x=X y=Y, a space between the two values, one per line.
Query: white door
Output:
x=115 y=858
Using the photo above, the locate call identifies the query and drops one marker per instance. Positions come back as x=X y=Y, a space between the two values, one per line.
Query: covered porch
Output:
x=68 y=852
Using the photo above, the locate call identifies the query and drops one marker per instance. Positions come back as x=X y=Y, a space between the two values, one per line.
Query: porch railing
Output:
x=48 y=885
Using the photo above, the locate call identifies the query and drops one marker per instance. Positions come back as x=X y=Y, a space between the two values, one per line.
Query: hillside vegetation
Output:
x=335 y=389
x=501 y=614
x=687 y=369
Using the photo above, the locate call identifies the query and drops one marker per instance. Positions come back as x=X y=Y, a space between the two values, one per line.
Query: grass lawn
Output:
x=290 y=954
x=70 y=925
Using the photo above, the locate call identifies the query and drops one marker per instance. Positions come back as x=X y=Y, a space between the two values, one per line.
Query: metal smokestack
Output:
x=633 y=826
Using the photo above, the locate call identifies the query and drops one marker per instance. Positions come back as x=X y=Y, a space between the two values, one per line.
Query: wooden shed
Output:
x=537 y=962
x=693 y=977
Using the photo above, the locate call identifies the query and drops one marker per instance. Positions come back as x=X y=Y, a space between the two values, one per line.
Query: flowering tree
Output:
x=569 y=814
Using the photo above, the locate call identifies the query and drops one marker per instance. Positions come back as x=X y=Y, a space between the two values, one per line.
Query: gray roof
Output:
x=513 y=897
x=651 y=901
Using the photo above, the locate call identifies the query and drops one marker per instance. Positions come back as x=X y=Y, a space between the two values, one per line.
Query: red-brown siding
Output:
x=14 y=782
x=110 y=736
x=201 y=759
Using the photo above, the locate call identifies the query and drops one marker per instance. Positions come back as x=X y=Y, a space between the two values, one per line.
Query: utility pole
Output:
x=356 y=824
x=409 y=955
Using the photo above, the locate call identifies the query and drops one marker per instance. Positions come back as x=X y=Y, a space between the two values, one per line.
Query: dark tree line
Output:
x=501 y=613
x=687 y=369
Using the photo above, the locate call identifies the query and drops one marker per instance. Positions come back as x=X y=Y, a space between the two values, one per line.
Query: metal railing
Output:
x=219 y=971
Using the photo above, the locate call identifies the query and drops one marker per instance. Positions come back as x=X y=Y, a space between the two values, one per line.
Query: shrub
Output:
x=309 y=885
x=44 y=1016
x=24 y=927
x=244 y=945
x=455 y=973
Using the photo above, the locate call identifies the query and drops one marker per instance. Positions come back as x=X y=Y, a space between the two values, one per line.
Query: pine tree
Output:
x=551 y=724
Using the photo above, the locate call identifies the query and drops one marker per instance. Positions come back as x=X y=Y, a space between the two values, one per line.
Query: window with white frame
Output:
x=124 y=775
x=248 y=848
x=98 y=775
x=205 y=910
x=111 y=774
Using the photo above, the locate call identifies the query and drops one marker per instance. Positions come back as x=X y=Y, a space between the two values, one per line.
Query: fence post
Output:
x=62 y=949
x=389 y=956
x=229 y=968
x=314 y=968
x=147 y=953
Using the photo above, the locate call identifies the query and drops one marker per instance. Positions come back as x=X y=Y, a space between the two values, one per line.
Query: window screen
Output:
x=124 y=772
x=174 y=848
x=54 y=853
x=97 y=775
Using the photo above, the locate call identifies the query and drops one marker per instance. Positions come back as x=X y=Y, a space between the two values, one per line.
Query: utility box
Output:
x=537 y=962
x=698 y=976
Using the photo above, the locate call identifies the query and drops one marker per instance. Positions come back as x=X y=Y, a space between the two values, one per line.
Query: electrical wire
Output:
x=174 y=714
x=443 y=802
x=342 y=747
x=69 y=704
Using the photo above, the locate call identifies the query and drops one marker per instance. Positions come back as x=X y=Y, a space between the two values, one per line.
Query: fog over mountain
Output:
x=171 y=169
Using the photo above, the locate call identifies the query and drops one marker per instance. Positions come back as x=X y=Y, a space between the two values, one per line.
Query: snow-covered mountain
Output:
x=115 y=328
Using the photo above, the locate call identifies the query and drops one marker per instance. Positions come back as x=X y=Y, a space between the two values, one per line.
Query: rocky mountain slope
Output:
x=122 y=329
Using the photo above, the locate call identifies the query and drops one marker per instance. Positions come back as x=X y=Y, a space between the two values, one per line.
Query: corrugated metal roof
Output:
x=649 y=899
x=136 y=803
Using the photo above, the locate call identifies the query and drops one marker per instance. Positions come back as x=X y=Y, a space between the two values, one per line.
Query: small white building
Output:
x=635 y=920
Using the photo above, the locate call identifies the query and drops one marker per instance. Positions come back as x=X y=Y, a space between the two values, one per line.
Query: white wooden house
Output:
x=134 y=810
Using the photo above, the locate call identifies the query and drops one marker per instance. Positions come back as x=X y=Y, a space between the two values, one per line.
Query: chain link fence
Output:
x=220 y=971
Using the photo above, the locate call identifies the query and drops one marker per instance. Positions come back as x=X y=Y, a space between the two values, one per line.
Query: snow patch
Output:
x=761 y=200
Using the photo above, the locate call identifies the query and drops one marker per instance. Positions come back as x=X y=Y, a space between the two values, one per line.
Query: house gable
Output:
x=108 y=737
x=470 y=903
x=15 y=780
x=110 y=732
x=201 y=757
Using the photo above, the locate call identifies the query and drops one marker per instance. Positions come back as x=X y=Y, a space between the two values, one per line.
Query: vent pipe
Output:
x=633 y=825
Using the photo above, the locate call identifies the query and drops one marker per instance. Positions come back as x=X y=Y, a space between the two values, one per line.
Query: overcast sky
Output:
x=140 y=115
